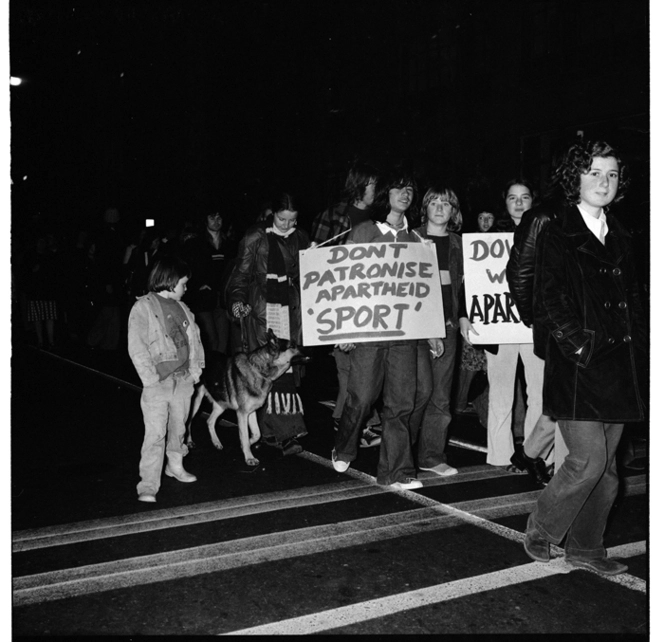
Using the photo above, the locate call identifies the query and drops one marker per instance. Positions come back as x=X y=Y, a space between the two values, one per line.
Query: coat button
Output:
x=607 y=304
x=611 y=340
x=622 y=305
x=602 y=270
x=617 y=271
x=627 y=338
x=558 y=334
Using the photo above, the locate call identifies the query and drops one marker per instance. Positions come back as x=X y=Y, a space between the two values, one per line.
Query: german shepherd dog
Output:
x=242 y=383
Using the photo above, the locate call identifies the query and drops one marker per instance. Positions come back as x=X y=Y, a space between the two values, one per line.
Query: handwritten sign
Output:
x=370 y=292
x=491 y=308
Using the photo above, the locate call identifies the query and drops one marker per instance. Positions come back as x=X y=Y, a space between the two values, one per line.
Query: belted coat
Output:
x=586 y=297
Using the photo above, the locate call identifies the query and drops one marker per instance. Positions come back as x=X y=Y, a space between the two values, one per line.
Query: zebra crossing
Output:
x=420 y=515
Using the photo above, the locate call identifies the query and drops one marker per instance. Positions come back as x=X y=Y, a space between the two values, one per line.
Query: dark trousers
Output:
x=389 y=367
x=431 y=420
x=578 y=499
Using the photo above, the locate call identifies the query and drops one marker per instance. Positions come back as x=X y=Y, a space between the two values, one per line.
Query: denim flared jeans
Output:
x=578 y=499
x=389 y=367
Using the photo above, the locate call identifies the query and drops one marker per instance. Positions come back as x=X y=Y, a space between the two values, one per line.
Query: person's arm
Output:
x=520 y=269
x=555 y=309
x=137 y=344
x=243 y=272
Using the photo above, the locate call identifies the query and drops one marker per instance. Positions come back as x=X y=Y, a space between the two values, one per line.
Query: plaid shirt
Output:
x=332 y=221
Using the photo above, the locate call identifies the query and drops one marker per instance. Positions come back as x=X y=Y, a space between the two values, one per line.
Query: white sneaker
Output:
x=339 y=466
x=146 y=497
x=409 y=484
x=442 y=469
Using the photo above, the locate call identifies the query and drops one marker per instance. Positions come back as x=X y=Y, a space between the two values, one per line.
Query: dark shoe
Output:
x=536 y=547
x=635 y=465
x=536 y=468
x=468 y=410
x=605 y=566
x=291 y=447
x=515 y=470
x=370 y=438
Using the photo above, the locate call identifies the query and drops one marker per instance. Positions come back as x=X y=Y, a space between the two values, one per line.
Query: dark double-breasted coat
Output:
x=586 y=297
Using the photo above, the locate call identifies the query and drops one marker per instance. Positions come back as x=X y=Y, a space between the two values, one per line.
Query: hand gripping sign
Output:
x=370 y=292
x=490 y=306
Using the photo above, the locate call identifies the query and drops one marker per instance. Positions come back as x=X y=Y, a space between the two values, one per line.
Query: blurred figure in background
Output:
x=210 y=255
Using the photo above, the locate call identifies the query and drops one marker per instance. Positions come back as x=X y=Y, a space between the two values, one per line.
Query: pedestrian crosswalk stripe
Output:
x=393 y=604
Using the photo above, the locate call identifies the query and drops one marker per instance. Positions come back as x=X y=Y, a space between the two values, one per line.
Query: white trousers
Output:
x=501 y=373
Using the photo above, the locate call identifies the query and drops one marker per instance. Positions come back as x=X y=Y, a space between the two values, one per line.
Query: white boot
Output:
x=174 y=468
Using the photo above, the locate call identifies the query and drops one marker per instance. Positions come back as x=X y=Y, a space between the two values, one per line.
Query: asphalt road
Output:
x=289 y=547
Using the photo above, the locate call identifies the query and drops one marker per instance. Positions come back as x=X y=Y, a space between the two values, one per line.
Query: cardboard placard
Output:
x=370 y=292
x=491 y=308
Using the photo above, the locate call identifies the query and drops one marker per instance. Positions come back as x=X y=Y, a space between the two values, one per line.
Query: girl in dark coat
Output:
x=586 y=298
x=263 y=293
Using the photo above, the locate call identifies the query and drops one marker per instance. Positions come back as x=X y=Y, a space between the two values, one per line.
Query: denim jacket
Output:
x=149 y=344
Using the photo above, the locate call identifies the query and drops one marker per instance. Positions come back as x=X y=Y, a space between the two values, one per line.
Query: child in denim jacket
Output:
x=165 y=347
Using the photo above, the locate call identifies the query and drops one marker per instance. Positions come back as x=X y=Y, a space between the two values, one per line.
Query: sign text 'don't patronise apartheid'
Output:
x=370 y=292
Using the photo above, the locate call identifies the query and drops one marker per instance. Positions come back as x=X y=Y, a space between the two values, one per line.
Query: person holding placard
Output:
x=387 y=367
x=441 y=217
x=331 y=227
x=473 y=359
x=587 y=308
x=502 y=365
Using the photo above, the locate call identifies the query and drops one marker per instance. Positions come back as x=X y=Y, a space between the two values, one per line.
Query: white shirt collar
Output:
x=598 y=226
x=386 y=228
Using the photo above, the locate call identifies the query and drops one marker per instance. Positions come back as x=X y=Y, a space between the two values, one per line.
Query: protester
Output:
x=390 y=366
x=40 y=276
x=139 y=260
x=210 y=253
x=264 y=293
x=502 y=366
x=109 y=253
x=588 y=314
x=331 y=227
x=441 y=217
x=473 y=359
x=165 y=347
x=545 y=442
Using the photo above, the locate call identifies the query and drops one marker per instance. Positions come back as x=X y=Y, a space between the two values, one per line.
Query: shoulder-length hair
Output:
x=166 y=273
x=435 y=191
x=359 y=176
x=503 y=221
x=577 y=160
x=397 y=179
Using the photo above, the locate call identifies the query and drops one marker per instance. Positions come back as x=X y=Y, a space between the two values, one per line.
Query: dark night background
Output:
x=163 y=108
